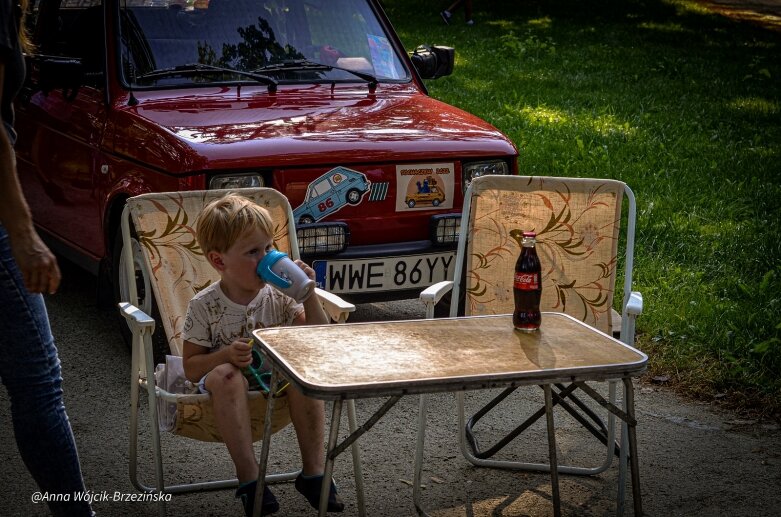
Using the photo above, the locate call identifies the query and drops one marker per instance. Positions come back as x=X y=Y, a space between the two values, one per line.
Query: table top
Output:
x=356 y=360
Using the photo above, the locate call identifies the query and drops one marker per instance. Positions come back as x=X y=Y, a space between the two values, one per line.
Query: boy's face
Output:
x=239 y=263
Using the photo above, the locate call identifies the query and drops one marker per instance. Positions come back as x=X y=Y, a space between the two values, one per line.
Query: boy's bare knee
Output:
x=225 y=377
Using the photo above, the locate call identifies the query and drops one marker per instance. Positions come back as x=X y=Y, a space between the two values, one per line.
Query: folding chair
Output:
x=577 y=222
x=159 y=237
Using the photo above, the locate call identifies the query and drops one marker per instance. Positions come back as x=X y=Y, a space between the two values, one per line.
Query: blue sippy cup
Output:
x=277 y=269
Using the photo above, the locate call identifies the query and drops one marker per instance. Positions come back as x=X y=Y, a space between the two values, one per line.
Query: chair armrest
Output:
x=335 y=307
x=635 y=304
x=136 y=317
x=431 y=295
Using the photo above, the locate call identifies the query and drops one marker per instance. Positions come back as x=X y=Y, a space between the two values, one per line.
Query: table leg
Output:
x=336 y=417
x=622 y=460
x=554 y=465
x=419 y=447
x=262 y=464
x=357 y=468
x=635 y=463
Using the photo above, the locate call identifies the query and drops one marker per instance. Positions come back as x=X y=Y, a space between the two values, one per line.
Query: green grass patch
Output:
x=685 y=107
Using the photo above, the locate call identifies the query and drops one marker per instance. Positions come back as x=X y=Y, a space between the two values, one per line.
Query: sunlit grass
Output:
x=683 y=105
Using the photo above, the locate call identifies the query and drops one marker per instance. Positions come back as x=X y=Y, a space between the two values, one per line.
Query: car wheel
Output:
x=411 y=203
x=435 y=202
x=146 y=299
x=306 y=219
x=353 y=196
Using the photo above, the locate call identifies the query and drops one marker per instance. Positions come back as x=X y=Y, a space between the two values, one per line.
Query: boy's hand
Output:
x=240 y=353
x=306 y=269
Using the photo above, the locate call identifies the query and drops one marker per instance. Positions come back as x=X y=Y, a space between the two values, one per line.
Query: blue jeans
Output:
x=30 y=370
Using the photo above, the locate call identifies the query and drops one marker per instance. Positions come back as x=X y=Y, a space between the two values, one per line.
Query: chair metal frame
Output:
x=632 y=306
x=142 y=326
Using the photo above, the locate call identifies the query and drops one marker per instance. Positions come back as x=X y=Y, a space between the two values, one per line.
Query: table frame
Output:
x=397 y=387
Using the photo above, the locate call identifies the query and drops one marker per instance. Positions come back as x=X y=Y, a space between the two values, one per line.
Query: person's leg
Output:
x=468 y=11
x=30 y=370
x=228 y=389
x=448 y=13
x=308 y=416
x=455 y=5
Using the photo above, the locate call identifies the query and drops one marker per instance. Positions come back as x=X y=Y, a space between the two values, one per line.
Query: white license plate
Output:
x=384 y=273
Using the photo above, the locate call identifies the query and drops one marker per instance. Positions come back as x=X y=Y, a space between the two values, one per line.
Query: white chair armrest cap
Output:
x=434 y=293
x=635 y=304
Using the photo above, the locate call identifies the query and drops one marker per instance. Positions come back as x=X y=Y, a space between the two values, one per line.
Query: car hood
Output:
x=225 y=129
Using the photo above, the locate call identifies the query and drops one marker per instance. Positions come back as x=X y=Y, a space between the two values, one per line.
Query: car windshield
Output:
x=180 y=42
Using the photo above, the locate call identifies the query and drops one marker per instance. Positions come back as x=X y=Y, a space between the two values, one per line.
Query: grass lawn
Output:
x=685 y=107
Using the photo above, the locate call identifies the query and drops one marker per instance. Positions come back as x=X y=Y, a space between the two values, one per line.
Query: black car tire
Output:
x=147 y=301
x=353 y=196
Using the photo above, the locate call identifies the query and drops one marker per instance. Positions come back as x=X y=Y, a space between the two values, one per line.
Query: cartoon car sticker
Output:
x=425 y=193
x=330 y=193
x=427 y=186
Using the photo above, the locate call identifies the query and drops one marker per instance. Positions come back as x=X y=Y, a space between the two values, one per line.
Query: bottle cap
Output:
x=529 y=234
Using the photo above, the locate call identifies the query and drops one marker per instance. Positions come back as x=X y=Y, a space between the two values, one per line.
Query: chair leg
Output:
x=133 y=431
x=156 y=446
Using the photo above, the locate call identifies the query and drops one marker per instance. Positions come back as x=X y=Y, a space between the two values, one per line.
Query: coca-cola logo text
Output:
x=527 y=281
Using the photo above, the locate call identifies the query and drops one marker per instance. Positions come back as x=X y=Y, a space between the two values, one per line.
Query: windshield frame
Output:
x=122 y=52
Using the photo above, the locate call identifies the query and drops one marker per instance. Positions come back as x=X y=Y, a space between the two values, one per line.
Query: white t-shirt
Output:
x=214 y=321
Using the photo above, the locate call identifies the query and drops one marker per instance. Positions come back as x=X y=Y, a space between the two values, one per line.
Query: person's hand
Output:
x=240 y=353
x=306 y=269
x=36 y=262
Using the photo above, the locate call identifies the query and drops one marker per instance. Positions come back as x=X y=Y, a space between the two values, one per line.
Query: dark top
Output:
x=11 y=55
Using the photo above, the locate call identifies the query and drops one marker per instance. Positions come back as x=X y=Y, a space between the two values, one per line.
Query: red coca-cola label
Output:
x=527 y=281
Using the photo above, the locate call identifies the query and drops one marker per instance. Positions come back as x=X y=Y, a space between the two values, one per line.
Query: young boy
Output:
x=235 y=234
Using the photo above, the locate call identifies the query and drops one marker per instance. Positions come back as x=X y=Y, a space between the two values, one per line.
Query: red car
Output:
x=132 y=96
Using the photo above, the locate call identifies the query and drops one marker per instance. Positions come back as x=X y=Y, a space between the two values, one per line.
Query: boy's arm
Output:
x=197 y=360
x=313 y=312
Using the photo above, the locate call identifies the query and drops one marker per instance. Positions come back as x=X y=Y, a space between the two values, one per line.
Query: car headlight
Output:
x=228 y=181
x=322 y=238
x=472 y=170
x=444 y=229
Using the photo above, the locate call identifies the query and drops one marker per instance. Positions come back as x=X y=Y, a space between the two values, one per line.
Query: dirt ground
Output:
x=695 y=460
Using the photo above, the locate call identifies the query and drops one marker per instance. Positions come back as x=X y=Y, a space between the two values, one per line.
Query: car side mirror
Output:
x=434 y=61
x=65 y=73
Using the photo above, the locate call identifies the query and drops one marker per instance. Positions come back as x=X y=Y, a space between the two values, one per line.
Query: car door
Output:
x=60 y=127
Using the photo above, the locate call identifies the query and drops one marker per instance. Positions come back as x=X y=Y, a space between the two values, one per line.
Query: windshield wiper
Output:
x=199 y=68
x=305 y=64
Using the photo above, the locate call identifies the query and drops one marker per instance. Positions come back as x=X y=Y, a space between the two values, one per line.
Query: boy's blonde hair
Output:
x=226 y=219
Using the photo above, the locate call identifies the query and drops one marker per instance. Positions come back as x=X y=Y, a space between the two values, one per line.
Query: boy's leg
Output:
x=308 y=416
x=228 y=390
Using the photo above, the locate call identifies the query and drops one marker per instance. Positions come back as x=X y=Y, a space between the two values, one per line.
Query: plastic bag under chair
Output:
x=185 y=412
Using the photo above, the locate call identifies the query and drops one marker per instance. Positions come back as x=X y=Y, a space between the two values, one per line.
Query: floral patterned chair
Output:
x=577 y=222
x=162 y=256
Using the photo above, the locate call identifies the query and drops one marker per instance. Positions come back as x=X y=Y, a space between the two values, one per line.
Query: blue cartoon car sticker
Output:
x=330 y=192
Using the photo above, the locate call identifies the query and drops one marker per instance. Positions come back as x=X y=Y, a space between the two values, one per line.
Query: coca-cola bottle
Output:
x=527 y=286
